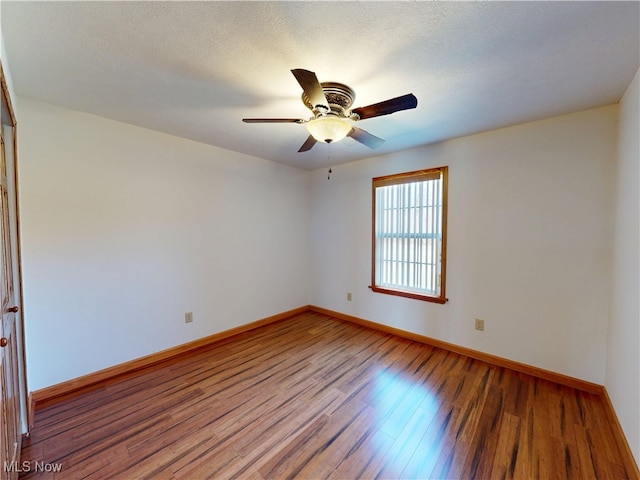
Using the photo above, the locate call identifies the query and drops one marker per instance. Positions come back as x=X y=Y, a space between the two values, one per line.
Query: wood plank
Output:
x=506 y=455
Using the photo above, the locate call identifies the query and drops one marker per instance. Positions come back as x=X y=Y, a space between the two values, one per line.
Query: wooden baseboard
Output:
x=54 y=393
x=45 y=395
x=623 y=444
x=485 y=357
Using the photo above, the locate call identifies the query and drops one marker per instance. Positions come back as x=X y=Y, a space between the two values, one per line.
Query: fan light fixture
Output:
x=330 y=103
x=329 y=128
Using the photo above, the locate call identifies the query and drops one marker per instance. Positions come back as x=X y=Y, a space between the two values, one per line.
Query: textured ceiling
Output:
x=195 y=69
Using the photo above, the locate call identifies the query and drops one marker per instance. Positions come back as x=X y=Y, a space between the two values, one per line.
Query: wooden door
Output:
x=11 y=389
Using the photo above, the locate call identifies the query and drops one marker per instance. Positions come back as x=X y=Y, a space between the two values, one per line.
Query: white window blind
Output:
x=409 y=232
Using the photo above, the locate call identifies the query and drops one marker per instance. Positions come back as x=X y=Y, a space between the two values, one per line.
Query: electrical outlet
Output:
x=349 y=296
x=188 y=317
x=479 y=324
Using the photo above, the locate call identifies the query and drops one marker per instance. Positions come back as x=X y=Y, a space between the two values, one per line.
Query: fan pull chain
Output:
x=329 y=161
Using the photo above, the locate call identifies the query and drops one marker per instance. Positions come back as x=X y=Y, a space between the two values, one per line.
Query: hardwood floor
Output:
x=312 y=397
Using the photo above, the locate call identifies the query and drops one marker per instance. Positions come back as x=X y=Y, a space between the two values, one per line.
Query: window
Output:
x=410 y=234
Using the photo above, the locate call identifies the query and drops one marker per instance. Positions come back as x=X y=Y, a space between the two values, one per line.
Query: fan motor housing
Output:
x=337 y=95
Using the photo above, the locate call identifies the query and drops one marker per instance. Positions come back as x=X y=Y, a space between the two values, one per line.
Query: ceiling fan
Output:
x=330 y=103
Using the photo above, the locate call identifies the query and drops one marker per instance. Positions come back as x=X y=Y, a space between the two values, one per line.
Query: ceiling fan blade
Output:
x=365 y=137
x=311 y=86
x=273 y=120
x=308 y=144
x=397 y=104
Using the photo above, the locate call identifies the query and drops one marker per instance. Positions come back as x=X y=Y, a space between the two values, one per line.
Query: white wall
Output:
x=622 y=379
x=529 y=242
x=125 y=229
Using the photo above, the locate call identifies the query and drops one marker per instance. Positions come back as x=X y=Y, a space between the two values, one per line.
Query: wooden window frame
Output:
x=410 y=177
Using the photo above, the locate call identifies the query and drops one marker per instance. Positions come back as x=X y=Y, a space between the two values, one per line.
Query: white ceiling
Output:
x=195 y=69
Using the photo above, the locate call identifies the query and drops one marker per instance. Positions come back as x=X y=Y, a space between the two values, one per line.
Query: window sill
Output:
x=415 y=296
